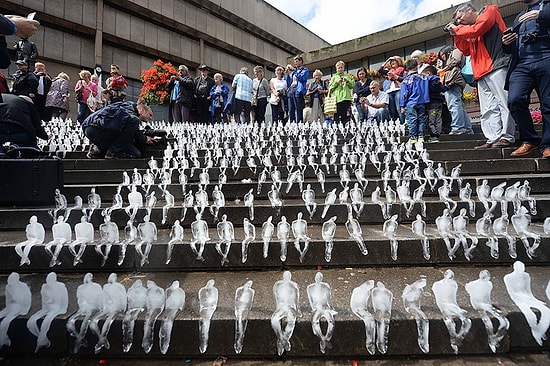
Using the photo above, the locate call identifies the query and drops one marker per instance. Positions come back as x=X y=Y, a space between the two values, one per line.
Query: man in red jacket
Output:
x=479 y=35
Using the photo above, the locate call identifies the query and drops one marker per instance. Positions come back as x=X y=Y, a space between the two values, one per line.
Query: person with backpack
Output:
x=453 y=61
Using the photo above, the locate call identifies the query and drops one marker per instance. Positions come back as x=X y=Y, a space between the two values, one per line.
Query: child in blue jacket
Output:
x=415 y=95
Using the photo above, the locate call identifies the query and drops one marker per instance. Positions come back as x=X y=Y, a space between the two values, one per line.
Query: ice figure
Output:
x=135 y=202
x=483 y=192
x=480 y=298
x=155 y=306
x=199 y=229
x=356 y=195
x=169 y=198
x=84 y=235
x=518 y=285
x=429 y=174
x=126 y=179
x=62 y=234
x=218 y=200
x=308 y=196
x=35 y=234
x=244 y=298
x=546 y=225
x=460 y=226
x=359 y=306
x=524 y=194
x=148 y=234
x=376 y=198
x=148 y=181
x=321 y=179
x=328 y=231
x=465 y=195
x=262 y=178
x=511 y=195
x=249 y=236
x=114 y=304
x=108 y=232
x=418 y=227
x=18 y=302
x=137 y=179
x=249 y=202
x=283 y=234
x=497 y=195
x=137 y=301
x=355 y=231
x=390 y=231
x=276 y=178
x=60 y=204
x=412 y=295
x=55 y=300
x=78 y=205
x=343 y=196
x=130 y=236
x=176 y=236
x=444 y=196
x=330 y=199
x=208 y=299
x=444 y=225
x=404 y=194
x=287 y=300
x=455 y=175
x=118 y=202
x=299 y=230
x=360 y=175
x=484 y=228
x=521 y=221
x=500 y=227
x=94 y=202
x=89 y=296
x=150 y=202
x=275 y=198
x=417 y=197
x=319 y=295
x=188 y=202
x=445 y=297
x=391 y=198
x=175 y=301
x=268 y=229
x=382 y=299
x=226 y=234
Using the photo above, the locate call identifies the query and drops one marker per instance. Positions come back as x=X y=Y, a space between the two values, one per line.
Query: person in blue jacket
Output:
x=297 y=90
x=415 y=94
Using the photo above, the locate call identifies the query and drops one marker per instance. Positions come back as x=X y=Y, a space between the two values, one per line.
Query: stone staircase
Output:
x=346 y=270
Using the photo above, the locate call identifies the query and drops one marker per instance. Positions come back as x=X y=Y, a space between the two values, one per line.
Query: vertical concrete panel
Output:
x=201 y=24
x=220 y=31
x=185 y=46
x=252 y=48
x=137 y=30
x=211 y=25
x=191 y=16
x=86 y=47
x=53 y=43
x=37 y=5
x=163 y=43
x=122 y=25
x=168 y=8
x=120 y=57
x=245 y=40
x=230 y=33
x=89 y=11
x=56 y=8
x=73 y=49
x=134 y=66
x=179 y=11
x=74 y=11
x=143 y=3
x=175 y=44
x=151 y=35
x=109 y=20
x=155 y=6
x=237 y=38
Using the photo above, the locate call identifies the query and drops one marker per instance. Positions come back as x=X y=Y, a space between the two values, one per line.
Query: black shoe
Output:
x=94 y=153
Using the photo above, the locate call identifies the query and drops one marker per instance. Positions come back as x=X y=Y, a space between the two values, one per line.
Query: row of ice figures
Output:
x=371 y=303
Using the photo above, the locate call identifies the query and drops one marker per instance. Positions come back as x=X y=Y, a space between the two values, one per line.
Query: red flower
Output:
x=155 y=83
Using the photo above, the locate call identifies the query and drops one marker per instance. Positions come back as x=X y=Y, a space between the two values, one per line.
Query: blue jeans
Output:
x=23 y=139
x=416 y=120
x=295 y=106
x=523 y=80
x=83 y=112
x=394 y=106
x=363 y=115
x=459 y=118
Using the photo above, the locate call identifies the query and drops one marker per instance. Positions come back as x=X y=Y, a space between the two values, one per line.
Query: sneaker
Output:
x=433 y=140
x=118 y=155
x=413 y=141
x=94 y=153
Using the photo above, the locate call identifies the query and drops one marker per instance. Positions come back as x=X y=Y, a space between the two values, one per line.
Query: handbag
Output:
x=330 y=104
x=273 y=99
x=92 y=103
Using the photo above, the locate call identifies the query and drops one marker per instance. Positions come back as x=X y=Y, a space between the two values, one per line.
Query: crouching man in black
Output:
x=20 y=122
x=114 y=130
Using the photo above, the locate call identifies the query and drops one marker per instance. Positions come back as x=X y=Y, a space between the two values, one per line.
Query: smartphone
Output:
x=31 y=16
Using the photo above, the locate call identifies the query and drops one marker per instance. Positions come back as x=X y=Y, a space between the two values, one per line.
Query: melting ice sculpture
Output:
x=84 y=235
x=226 y=234
x=62 y=234
x=130 y=236
x=319 y=295
x=484 y=228
x=460 y=226
x=518 y=285
x=444 y=225
x=137 y=301
x=249 y=237
x=94 y=202
x=299 y=230
x=412 y=296
x=287 y=300
x=268 y=230
x=328 y=230
x=109 y=235
x=359 y=306
x=208 y=299
x=355 y=231
x=382 y=299
x=176 y=236
x=390 y=231
x=308 y=196
x=148 y=234
x=244 y=298
x=199 y=229
x=418 y=227
x=480 y=298
x=18 y=302
x=175 y=301
x=249 y=202
x=283 y=234
x=445 y=297
x=154 y=305
x=521 y=221
x=35 y=234
x=170 y=202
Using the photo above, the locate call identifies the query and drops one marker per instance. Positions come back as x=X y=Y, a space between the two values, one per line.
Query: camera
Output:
x=529 y=37
x=513 y=29
x=447 y=28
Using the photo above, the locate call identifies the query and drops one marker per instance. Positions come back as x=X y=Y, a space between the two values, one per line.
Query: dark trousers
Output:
x=259 y=110
x=23 y=139
x=241 y=106
x=295 y=107
x=523 y=79
x=342 y=111
x=115 y=141
x=202 y=105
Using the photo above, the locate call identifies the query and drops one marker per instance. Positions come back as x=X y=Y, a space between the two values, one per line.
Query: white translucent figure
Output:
x=390 y=231
x=391 y=198
x=18 y=302
x=175 y=302
x=84 y=235
x=330 y=199
x=275 y=198
x=135 y=202
x=521 y=221
x=445 y=196
x=404 y=194
x=418 y=197
x=55 y=300
x=382 y=299
x=546 y=225
x=376 y=198
x=455 y=175
x=429 y=174
x=299 y=230
x=137 y=179
x=226 y=234
x=176 y=236
x=480 y=298
x=126 y=179
x=276 y=178
x=287 y=300
x=218 y=200
x=248 y=202
x=208 y=300
x=262 y=178
x=445 y=297
x=412 y=296
x=170 y=202
x=150 y=202
x=114 y=304
x=188 y=202
x=249 y=236
x=465 y=195
x=78 y=205
x=89 y=296
x=511 y=195
x=283 y=234
x=199 y=229
x=155 y=306
x=137 y=301
x=460 y=226
x=118 y=202
x=328 y=230
x=244 y=298
x=418 y=227
x=321 y=179
x=524 y=194
x=35 y=234
x=60 y=204
x=355 y=231
x=356 y=195
x=483 y=192
x=94 y=202
x=518 y=285
x=268 y=230
x=497 y=195
x=319 y=295
x=308 y=196
x=359 y=306
x=360 y=175
x=109 y=235
x=62 y=234
x=444 y=225
x=130 y=236
x=147 y=231
x=484 y=228
x=201 y=199
x=148 y=181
